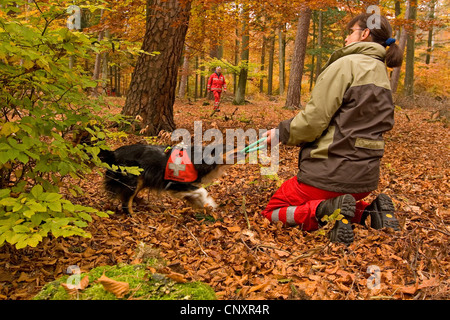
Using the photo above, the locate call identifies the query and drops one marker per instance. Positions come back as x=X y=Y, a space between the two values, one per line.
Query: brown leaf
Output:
x=69 y=288
x=73 y=289
x=259 y=287
x=234 y=229
x=409 y=289
x=177 y=277
x=118 y=288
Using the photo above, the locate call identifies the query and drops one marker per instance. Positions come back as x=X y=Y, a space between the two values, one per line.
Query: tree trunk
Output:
x=105 y=64
x=395 y=76
x=313 y=56
x=270 y=70
x=237 y=43
x=98 y=56
x=153 y=85
x=298 y=60
x=239 y=98
x=319 y=45
x=184 y=75
x=281 y=59
x=263 y=59
x=196 y=80
x=430 y=32
x=410 y=50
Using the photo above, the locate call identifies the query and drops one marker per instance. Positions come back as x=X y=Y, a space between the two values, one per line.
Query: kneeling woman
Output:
x=340 y=133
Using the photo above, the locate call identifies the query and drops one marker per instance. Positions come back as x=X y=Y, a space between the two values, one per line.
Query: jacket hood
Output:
x=371 y=49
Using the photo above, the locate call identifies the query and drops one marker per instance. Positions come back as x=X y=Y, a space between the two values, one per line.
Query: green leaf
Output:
x=55 y=206
x=21 y=229
x=36 y=191
x=9 y=128
x=37 y=207
x=4 y=193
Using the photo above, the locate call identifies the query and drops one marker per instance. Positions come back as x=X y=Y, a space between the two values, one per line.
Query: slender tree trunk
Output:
x=239 y=98
x=319 y=45
x=298 y=60
x=410 y=50
x=237 y=43
x=184 y=75
x=313 y=57
x=281 y=58
x=196 y=80
x=98 y=56
x=270 y=70
x=263 y=59
x=430 y=33
x=395 y=76
x=105 y=64
x=152 y=89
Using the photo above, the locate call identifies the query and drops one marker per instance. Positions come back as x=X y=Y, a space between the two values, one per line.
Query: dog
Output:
x=163 y=169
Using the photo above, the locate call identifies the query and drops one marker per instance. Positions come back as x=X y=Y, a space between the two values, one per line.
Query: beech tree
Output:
x=298 y=59
x=152 y=89
x=410 y=51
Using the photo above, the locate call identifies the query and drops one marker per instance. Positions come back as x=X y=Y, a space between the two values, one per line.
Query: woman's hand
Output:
x=270 y=135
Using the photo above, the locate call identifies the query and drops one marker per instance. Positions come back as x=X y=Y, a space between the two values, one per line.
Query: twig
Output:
x=270 y=247
x=432 y=229
x=308 y=253
x=196 y=240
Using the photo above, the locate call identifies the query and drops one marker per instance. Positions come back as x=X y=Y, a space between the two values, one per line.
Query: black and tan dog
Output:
x=163 y=169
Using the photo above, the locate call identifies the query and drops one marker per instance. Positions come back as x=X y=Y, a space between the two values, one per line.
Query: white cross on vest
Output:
x=176 y=166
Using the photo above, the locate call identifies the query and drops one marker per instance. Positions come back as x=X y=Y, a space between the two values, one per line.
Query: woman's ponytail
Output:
x=394 y=56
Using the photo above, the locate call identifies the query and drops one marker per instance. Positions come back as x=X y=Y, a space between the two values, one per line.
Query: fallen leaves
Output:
x=244 y=256
x=118 y=288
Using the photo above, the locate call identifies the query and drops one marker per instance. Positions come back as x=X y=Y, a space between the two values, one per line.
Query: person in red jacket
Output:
x=215 y=84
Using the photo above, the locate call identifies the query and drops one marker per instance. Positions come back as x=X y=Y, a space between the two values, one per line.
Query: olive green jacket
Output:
x=341 y=128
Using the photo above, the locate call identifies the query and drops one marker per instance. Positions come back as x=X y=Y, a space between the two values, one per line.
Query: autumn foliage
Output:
x=56 y=85
x=243 y=256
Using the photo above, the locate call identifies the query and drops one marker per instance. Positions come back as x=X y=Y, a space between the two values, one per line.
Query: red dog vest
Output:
x=179 y=167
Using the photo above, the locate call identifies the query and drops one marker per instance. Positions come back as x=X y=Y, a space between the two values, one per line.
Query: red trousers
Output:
x=216 y=98
x=296 y=203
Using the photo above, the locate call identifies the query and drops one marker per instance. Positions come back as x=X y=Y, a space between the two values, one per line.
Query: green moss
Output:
x=143 y=286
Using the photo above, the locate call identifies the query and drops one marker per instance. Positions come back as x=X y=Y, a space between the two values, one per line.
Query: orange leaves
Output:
x=267 y=260
x=118 y=288
x=73 y=289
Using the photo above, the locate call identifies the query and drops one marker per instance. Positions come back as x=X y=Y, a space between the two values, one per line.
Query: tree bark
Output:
x=184 y=75
x=239 y=98
x=153 y=85
x=281 y=59
x=263 y=59
x=298 y=60
x=410 y=50
x=271 y=58
x=430 y=33
x=319 y=45
x=395 y=76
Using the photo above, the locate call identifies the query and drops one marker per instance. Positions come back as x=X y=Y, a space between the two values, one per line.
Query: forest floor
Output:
x=243 y=256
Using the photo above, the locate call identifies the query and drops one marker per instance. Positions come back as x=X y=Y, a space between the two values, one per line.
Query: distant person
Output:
x=216 y=84
x=340 y=132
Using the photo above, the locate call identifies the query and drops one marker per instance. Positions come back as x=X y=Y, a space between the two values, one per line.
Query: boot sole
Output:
x=385 y=208
x=342 y=231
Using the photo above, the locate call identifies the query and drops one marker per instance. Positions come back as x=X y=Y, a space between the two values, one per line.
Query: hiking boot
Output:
x=381 y=212
x=342 y=230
